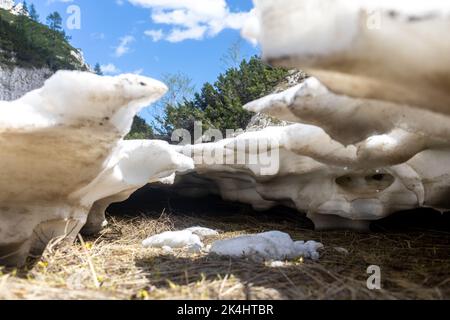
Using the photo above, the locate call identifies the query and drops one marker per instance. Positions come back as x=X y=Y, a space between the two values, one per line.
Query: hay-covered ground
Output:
x=412 y=249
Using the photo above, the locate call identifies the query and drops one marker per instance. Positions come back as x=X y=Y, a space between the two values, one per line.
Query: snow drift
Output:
x=368 y=135
x=370 y=132
x=273 y=245
x=397 y=51
x=62 y=151
x=190 y=238
x=317 y=175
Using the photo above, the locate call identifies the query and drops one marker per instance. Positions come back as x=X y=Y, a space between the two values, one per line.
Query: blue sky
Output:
x=157 y=36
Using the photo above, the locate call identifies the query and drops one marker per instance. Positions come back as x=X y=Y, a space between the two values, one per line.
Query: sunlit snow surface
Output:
x=190 y=238
x=273 y=245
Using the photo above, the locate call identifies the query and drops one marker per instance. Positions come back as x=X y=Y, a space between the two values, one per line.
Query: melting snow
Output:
x=203 y=233
x=277 y=264
x=190 y=238
x=273 y=245
x=167 y=249
x=173 y=239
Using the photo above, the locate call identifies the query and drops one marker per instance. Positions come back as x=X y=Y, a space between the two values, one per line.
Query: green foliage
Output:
x=54 y=21
x=25 y=7
x=27 y=43
x=33 y=13
x=219 y=105
x=140 y=130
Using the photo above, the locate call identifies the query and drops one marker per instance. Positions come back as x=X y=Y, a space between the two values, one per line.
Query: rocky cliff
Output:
x=30 y=52
x=16 y=81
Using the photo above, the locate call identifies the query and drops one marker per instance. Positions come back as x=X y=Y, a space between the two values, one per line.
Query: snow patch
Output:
x=277 y=264
x=167 y=249
x=275 y=24
x=63 y=158
x=6 y=4
x=190 y=238
x=173 y=239
x=273 y=245
x=15 y=9
x=203 y=233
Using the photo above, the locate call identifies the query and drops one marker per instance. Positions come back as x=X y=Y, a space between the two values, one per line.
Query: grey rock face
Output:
x=15 y=82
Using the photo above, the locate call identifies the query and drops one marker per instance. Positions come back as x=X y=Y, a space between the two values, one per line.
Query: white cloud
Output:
x=109 y=69
x=195 y=33
x=156 y=35
x=191 y=19
x=124 y=46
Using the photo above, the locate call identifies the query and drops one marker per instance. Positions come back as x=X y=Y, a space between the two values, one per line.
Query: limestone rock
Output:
x=16 y=81
x=6 y=4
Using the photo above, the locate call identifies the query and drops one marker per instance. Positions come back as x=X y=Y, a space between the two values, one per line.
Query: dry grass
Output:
x=415 y=264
